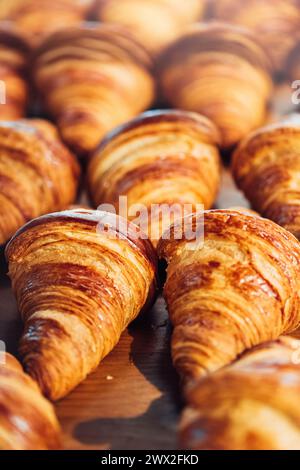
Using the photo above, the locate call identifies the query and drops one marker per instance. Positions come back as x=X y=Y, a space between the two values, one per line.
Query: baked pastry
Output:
x=231 y=290
x=37 y=173
x=251 y=405
x=14 y=54
x=266 y=166
x=27 y=419
x=275 y=22
x=155 y=23
x=80 y=278
x=161 y=158
x=220 y=71
x=38 y=18
x=91 y=79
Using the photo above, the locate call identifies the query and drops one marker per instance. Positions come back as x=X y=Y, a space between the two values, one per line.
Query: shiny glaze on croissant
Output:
x=80 y=278
x=14 y=53
x=92 y=78
x=266 y=166
x=162 y=157
x=220 y=71
x=155 y=23
x=275 y=22
x=237 y=288
x=27 y=419
x=251 y=405
x=37 y=173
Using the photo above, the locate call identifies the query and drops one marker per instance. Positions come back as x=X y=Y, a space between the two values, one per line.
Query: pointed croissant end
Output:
x=232 y=290
x=80 y=278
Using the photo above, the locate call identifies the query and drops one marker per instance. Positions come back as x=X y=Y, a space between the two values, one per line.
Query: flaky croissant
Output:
x=251 y=405
x=80 y=278
x=154 y=22
x=220 y=71
x=14 y=54
x=160 y=158
x=92 y=78
x=275 y=22
x=235 y=288
x=27 y=419
x=266 y=166
x=37 y=173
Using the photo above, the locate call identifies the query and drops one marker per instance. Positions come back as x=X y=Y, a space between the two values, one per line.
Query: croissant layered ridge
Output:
x=266 y=167
x=14 y=53
x=37 y=173
x=221 y=71
x=27 y=419
x=80 y=278
x=232 y=290
x=252 y=404
x=91 y=79
x=155 y=23
x=163 y=159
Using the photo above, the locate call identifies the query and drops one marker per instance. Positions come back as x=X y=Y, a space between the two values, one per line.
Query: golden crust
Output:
x=78 y=286
x=220 y=71
x=266 y=166
x=236 y=289
x=27 y=419
x=37 y=173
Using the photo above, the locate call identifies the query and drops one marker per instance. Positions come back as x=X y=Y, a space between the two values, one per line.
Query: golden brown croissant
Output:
x=220 y=71
x=27 y=419
x=266 y=166
x=92 y=78
x=80 y=278
x=37 y=173
x=275 y=22
x=160 y=158
x=251 y=405
x=154 y=22
x=38 y=18
x=14 y=54
x=236 y=288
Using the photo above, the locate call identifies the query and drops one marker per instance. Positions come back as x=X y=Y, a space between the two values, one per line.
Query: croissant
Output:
x=92 y=78
x=14 y=53
x=234 y=289
x=27 y=419
x=220 y=71
x=38 y=18
x=80 y=278
x=161 y=158
x=37 y=173
x=275 y=22
x=251 y=405
x=155 y=23
x=266 y=166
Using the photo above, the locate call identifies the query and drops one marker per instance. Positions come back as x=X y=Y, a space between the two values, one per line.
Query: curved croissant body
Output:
x=221 y=72
x=276 y=22
x=154 y=22
x=14 y=53
x=80 y=278
x=161 y=158
x=92 y=78
x=27 y=419
x=251 y=405
x=266 y=166
x=37 y=173
x=236 y=288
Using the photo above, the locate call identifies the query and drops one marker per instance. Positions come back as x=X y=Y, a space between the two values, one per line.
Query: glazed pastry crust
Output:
x=160 y=158
x=37 y=173
x=235 y=289
x=27 y=419
x=78 y=286
x=251 y=405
